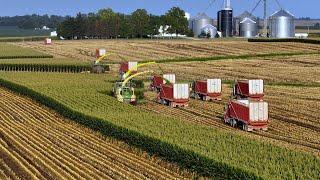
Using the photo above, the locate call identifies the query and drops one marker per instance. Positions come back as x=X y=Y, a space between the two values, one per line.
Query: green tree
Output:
x=67 y=28
x=140 y=22
x=177 y=21
x=111 y=21
x=80 y=25
x=155 y=23
x=126 y=29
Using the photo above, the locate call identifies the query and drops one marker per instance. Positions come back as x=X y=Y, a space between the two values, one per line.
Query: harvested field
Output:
x=303 y=69
x=138 y=50
x=288 y=127
x=37 y=143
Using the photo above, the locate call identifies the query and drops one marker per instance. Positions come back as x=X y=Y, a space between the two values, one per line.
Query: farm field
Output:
x=37 y=143
x=289 y=149
x=87 y=93
x=301 y=69
x=7 y=50
x=288 y=127
x=138 y=50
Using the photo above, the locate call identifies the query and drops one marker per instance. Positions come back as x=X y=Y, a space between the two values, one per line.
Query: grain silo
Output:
x=199 y=22
x=248 y=28
x=240 y=18
x=210 y=29
x=225 y=20
x=281 y=25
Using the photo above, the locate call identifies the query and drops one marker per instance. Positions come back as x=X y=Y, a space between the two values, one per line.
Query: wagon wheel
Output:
x=233 y=122
x=197 y=96
x=204 y=98
x=245 y=127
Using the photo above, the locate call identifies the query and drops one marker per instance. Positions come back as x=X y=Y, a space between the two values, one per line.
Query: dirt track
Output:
x=35 y=143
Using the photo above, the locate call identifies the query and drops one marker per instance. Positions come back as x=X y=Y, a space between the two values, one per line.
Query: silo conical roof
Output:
x=282 y=13
x=247 y=20
x=201 y=16
x=209 y=26
x=246 y=14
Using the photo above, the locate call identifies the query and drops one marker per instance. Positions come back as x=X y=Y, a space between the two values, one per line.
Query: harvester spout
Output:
x=103 y=58
x=133 y=76
x=127 y=74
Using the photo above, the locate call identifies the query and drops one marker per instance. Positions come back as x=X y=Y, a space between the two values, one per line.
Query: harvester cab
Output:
x=124 y=93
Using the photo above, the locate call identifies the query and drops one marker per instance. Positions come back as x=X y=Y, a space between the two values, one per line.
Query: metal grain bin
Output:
x=199 y=22
x=248 y=28
x=281 y=25
x=225 y=24
x=210 y=29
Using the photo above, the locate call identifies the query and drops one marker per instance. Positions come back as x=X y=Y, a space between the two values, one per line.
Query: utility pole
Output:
x=265 y=18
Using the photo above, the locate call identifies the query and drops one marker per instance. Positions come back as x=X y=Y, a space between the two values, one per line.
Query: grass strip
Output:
x=308 y=41
x=21 y=39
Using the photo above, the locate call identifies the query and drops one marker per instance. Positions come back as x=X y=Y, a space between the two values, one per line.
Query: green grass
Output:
x=209 y=151
x=8 y=51
x=13 y=31
x=309 y=41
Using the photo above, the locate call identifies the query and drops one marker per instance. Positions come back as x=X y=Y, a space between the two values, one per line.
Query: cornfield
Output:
x=251 y=157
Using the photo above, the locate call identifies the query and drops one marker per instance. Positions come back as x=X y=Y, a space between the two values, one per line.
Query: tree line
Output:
x=109 y=24
x=32 y=21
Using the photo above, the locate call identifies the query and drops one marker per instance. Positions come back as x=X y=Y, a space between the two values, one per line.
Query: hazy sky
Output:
x=70 y=7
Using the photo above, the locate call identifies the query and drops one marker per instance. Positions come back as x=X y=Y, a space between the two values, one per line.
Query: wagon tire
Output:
x=245 y=127
x=204 y=98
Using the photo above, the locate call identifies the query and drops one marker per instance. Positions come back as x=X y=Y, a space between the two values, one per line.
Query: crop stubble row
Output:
x=154 y=50
x=285 y=130
x=292 y=69
x=45 y=146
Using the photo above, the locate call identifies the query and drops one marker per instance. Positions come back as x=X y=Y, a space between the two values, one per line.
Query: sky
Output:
x=300 y=8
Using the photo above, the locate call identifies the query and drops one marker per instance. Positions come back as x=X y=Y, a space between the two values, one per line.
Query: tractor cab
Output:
x=124 y=93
